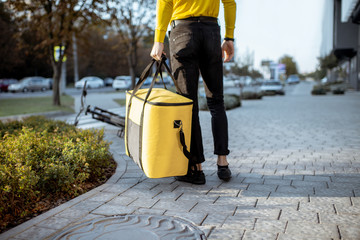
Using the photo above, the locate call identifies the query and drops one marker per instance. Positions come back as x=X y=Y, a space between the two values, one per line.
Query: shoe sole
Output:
x=189 y=181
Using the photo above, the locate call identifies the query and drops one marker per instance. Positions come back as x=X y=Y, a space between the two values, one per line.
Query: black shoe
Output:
x=224 y=173
x=195 y=177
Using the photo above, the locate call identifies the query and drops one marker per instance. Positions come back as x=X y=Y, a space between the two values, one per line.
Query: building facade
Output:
x=346 y=41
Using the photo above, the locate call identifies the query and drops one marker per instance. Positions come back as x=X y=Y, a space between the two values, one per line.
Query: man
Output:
x=195 y=45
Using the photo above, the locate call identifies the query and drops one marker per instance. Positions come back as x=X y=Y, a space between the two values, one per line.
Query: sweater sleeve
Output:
x=230 y=16
x=164 y=9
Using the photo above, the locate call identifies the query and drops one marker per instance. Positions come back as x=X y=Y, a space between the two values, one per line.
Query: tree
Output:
x=8 y=42
x=133 y=19
x=243 y=71
x=57 y=21
x=291 y=67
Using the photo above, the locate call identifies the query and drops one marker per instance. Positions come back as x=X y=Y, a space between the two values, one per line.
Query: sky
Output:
x=269 y=29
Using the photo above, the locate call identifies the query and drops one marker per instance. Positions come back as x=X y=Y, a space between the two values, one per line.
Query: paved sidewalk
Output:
x=296 y=175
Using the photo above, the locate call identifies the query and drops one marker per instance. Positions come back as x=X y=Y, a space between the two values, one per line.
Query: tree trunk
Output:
x=132 y=59
x=56 y=85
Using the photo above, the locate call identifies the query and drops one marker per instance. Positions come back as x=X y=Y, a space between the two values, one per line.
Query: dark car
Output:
x=5 y=83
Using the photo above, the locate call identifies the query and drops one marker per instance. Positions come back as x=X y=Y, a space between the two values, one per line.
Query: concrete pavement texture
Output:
x=295 y=161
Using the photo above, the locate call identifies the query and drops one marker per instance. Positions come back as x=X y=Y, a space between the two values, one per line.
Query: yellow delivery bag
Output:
x=158 y=128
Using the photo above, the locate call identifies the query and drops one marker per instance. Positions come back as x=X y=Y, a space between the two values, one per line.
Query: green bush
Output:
x=230 y=101
x=251 y=95
x=338 y=91
x=41 y=157
x=319 y=90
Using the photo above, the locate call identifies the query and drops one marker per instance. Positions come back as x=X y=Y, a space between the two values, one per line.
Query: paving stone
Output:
x=236 y=201
x=141 y=202
x=294 y=177
x=103 y=197
x=305 y=229
x=334 y=192
x=353 y=210
x=117 y=188
x=224 y=192
x=353 y=180
x=55 y=223
x=294 y=215
x=339 y=201
x=122 y=200
x=356 y=201
x=195 y=218
x=148 y=211
x=111 y=210
x=274 y=226
x=185 y=206
x=214 y=208
x=281 y=200
x=317 y=184
x=254 y=193
x=238 y=222
x=249 y=234
x=350 y=232
x=312 y=207
x=215 y=220
x=276 y=182
x=305 y=191
x=262 y=187
x=343 y=219
x=282 y=236
x=71 y=213
x=226 y=234
x=272 y=214
x=317 y=178
x=35 y=233
x=87 y=206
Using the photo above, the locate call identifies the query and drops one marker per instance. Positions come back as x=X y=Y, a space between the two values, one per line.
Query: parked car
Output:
x=50 y=82
x=108 y=81
x=91 y=82
x=229 y=82
x=293 y=79
x=122 y=82
x=271 y=87
x=5 y=83
x=324 y=80
x=30 y=84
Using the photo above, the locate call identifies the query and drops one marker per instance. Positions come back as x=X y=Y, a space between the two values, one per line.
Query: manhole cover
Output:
x=134 y=227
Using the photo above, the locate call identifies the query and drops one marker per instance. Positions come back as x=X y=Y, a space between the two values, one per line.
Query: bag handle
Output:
x=138 y=85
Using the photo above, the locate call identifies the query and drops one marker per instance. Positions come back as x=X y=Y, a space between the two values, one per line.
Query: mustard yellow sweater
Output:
x=168 y=10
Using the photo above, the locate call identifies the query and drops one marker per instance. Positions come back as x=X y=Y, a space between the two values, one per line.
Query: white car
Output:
x=122 y=82
x=293 y=79
x=91 y=82
x=229 y=82
x=272 y=87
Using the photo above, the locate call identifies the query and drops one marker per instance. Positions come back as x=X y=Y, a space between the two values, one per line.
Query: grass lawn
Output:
x=18 y=106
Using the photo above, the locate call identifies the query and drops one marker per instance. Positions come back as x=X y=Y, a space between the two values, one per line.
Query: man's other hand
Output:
x=227 y=48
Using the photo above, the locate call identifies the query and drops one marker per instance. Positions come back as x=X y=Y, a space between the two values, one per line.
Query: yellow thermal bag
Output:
x=158 y=128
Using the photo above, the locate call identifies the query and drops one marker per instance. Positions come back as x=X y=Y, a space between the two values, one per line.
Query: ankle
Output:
x=198 y=167
x=222 y=161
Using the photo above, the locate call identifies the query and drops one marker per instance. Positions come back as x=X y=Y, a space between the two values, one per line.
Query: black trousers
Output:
x=195 y=46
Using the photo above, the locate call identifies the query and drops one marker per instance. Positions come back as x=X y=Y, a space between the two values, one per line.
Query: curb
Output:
x=46 y=114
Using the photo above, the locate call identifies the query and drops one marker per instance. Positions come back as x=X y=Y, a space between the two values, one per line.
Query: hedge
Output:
x=41 y=157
